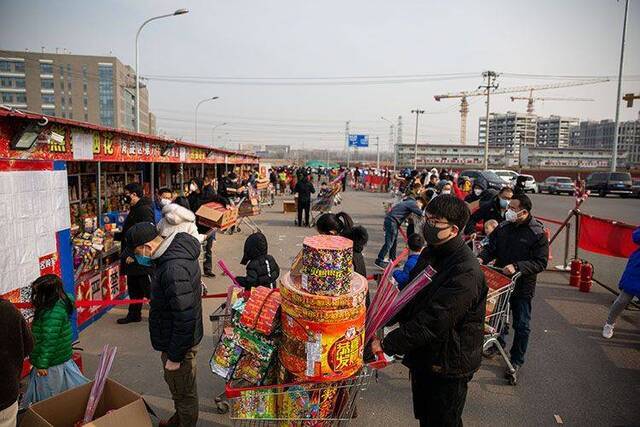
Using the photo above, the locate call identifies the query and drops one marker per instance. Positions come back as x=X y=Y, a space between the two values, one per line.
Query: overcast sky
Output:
x=348 y=38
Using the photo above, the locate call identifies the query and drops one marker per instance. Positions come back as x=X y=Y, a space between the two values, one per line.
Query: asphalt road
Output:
x=571 y=372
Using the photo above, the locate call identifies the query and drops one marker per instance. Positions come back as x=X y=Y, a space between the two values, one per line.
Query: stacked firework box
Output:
x=320 y=340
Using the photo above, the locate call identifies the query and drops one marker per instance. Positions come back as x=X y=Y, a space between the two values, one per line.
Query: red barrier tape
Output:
x=551 y=221
x=101 y=303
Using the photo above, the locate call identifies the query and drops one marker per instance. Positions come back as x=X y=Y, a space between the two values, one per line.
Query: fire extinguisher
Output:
x=574 y=275
x=586 y=277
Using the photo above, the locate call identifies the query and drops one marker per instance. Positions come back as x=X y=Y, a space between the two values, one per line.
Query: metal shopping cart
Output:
x=497 y=312
x=267 y=196
x=305 y=404
x=324 y=204
x=220 y=319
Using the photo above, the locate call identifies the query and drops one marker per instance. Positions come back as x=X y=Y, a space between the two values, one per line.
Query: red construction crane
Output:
x=464 y=105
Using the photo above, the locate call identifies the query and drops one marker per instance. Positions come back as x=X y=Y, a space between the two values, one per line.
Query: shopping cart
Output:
x=324 y=204
x=244 y=216
x=497 y=312
x=267 y=196
x=309 y=404
x=220 y=318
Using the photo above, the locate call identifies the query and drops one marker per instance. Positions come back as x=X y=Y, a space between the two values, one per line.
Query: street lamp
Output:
x=198 y=106
x=415 y=152
x=393 y=142
x=177 y=12
x=213 y=129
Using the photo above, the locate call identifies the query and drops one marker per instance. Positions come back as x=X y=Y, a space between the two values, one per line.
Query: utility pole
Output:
x=346 y=137
x=489 y=76
x=415 y=150
x=398 y=143
x=378 y=152
x=614 y=159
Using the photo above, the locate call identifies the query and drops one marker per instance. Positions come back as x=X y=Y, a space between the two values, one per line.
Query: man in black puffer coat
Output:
x=138 y=276
x=441 y=329
x=175 y=318
x=304 y=188
x=262 y=268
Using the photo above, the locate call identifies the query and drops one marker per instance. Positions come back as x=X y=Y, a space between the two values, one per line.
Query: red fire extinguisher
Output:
x=586 y=277
x=574 y=275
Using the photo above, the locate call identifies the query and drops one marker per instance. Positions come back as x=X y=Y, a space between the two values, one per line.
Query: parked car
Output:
x=486 y=178
x=635 y=188
x=530 y=184
x=604 y=183
x=507 y=175
x=557 y=185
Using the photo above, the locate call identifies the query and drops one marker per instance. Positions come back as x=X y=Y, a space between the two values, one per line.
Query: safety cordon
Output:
x=104 y=303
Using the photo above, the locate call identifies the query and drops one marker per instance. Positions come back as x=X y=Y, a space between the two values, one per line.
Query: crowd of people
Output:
x=439 y=334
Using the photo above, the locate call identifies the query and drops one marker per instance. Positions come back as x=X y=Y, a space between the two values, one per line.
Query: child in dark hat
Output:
x=262 y=268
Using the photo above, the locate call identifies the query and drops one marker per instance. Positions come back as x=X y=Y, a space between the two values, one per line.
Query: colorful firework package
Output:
x=327 y=265
x=261 y=311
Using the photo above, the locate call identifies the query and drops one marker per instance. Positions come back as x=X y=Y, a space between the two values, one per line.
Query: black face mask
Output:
x=126 y=199
x=431 y=234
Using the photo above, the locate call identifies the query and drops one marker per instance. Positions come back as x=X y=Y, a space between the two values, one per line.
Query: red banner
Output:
x=606 y=237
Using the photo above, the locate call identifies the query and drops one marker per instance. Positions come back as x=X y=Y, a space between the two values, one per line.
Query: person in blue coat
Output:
x=401 y=276
x=629 y=287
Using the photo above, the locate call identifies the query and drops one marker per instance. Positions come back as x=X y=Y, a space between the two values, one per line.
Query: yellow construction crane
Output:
x=531 y=99
x=464 y=105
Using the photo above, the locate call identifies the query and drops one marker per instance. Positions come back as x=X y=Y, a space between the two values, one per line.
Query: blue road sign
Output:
x=358 y=141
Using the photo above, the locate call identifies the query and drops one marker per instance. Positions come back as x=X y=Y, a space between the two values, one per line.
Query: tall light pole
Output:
x=196 y=121
x=415 y=151
x=393 y=139
x=377 y=152
x=614 y=159
x=177 y=12
x=213 y=130
x=346 y=136
x=489 y=75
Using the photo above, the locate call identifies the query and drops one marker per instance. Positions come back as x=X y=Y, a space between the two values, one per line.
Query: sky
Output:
x=316 y=44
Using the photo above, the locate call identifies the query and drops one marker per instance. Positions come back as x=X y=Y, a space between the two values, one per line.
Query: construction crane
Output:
x=464 y=105
x=530 y=100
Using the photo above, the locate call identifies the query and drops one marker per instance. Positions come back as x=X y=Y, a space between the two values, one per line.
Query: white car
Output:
x=530 y=184
x=507 y=176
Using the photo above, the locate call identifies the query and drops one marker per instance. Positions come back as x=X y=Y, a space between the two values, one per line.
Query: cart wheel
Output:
x=513 y=379
x=222 y=407
x=238 y=230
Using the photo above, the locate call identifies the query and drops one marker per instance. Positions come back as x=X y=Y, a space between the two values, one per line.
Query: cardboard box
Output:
x=215 y=215
x=118 y=407
x=290 y=206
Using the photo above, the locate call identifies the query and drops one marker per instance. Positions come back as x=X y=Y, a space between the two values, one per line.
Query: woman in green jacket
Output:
x=53 y=370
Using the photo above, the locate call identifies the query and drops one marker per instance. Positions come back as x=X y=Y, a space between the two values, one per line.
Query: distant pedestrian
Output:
x=175 y=315
x=16 y=343
x=392 y=221
x=304 y=188
x=629 y=287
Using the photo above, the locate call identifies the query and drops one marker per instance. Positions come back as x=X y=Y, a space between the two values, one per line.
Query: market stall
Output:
x=61 y=183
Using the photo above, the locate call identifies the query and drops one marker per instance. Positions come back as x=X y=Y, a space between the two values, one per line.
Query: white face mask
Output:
x=511 y=215
x=165 y=202
x=477 y=191
x=193 y=187
x=445 y=192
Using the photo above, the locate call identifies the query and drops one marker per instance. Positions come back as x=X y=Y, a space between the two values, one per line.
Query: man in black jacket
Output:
x=138 y=280
x=518 y=245
x=495 y=209
x=441 y=329
x=304 y=188
x=175 y=317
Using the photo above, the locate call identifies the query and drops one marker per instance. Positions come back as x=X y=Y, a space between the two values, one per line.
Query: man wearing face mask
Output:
x=495 y=209
x=441 y=329
x=518 y=245
x=140 y=210
x=175 y=315
x=476 y=192
x=164 y=197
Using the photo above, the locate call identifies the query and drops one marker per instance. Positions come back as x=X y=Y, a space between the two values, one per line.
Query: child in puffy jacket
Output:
x=262 y=268
x=54 y=371
x=415 y=243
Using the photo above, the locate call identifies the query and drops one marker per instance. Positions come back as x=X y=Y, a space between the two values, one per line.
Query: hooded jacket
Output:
x=441 y=328
x=175 y=315
x=178 y=219
x=262 y=269
x=140 y=212
x=471 y=197
x=487 y=211
x=630 y=280
x=304 y=188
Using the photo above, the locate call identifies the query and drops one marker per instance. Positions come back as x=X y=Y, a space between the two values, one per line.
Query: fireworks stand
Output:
x=61 y=187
